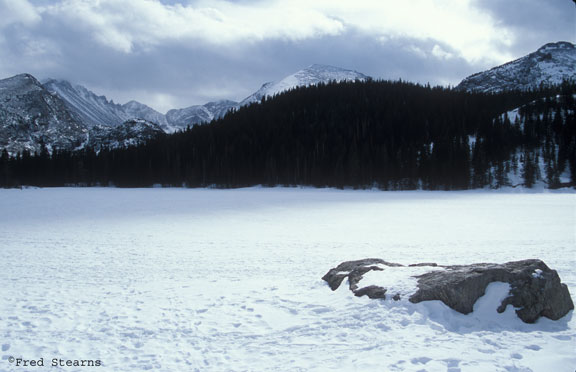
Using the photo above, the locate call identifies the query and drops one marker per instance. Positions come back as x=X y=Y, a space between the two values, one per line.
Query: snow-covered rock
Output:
x=59 y=115
x=549 y=65
x=137 y=110
x=535 y=289
x=94 y=110
x=91 y=109
x=181 y=118
x=130 y=133
x=311 y=75
x=31 y=117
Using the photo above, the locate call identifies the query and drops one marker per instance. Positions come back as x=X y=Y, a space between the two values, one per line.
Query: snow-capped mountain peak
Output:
x=549 y=65
x=311 y=75
x=137 y=110
x=31 y=117
x=556 y=46
x=19 y=84
x=90 y=108
x=181 y=118
x=95 y=110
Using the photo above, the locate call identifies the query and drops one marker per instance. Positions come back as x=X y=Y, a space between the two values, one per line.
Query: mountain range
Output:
x=57 y=114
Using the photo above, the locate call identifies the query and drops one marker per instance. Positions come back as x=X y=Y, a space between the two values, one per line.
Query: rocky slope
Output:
x=137 y=110
x=131 y=132
x=31 y=117
x=551 y=64
x=181 y=118
x=94 y=110
x=59 y=116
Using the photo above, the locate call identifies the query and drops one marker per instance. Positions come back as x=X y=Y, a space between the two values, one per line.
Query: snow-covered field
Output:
x=229 y=280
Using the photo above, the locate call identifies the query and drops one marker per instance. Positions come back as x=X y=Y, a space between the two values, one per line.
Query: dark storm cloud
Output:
x=534 y=22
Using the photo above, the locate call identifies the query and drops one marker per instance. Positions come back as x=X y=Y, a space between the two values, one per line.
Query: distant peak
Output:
x=27 y=77
x=60 y=82
x=22 y=81
x=320 y=67
x=221 y=101
x=133 y=103
x=558 y=45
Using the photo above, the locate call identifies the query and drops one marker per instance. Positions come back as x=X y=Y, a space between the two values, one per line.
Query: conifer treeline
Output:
x=391 y=135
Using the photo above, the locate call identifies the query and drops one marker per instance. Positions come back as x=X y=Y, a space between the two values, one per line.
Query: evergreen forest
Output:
x=389 y=135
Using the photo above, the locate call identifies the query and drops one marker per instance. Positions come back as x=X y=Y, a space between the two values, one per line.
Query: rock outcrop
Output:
x=535 y=289
x=549 y=65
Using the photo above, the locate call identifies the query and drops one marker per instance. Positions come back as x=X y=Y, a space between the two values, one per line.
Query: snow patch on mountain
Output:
x=137 y=110
x=549 y=65
x=311 y=75
x=97 y=111
x=130 y=133
x=92 y=109
x=182 y=118
x=32 y=118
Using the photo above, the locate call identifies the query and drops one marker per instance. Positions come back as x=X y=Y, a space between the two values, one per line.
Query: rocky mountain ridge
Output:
x=35 y=119
x=32 y=118
x=549 y=65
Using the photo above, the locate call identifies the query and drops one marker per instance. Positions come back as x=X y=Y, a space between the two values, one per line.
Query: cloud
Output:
x=129 y=25
x=17 y=12
x=533 y=22
x=173 y=53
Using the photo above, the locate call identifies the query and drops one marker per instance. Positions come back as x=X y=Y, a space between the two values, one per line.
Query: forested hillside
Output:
x=389 y=135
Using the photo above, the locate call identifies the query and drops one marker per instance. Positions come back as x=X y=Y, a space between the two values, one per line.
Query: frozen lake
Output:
x=229 y=280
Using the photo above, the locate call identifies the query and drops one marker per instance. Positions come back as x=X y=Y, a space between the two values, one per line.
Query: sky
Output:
x=177 y=53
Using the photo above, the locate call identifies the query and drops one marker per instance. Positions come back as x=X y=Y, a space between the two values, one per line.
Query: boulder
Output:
x=535 y=289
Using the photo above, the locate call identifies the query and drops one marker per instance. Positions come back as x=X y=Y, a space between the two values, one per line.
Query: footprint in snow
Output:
x=421 y=360
x=321 y=310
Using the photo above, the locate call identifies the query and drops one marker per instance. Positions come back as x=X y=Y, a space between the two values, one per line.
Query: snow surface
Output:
x=229 y=280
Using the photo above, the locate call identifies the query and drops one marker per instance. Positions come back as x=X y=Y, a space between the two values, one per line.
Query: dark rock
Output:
x=535 y=288
x=357 y=274
x=535 y=291
x=372 y=291
x=424 y=264
x=355 y=270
